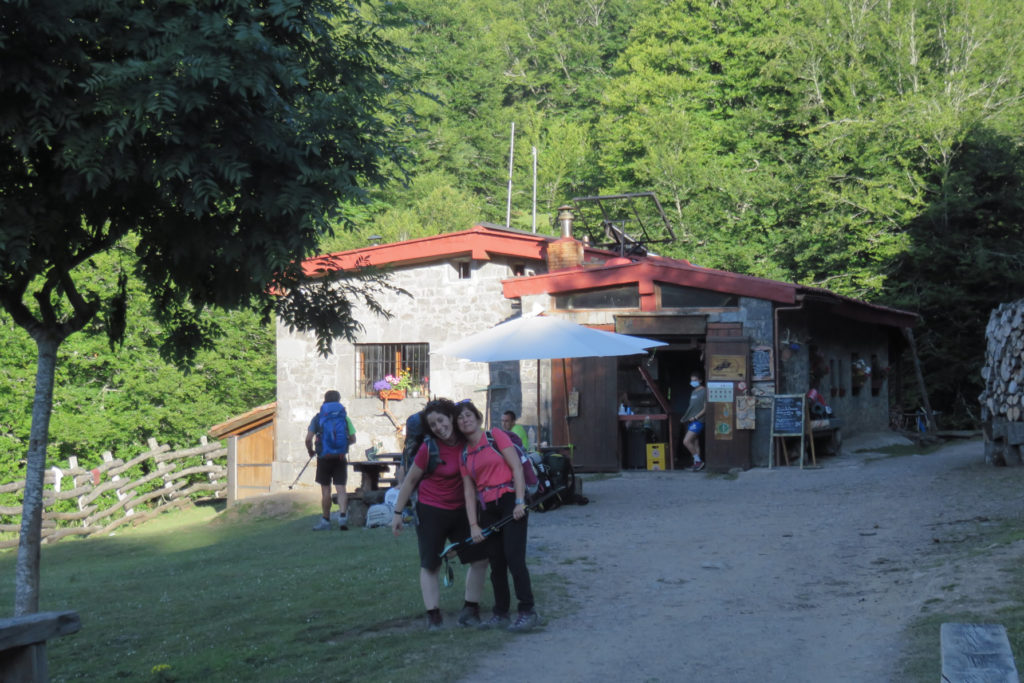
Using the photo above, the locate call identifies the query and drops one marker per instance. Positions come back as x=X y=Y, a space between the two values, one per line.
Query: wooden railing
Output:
x=99 y=514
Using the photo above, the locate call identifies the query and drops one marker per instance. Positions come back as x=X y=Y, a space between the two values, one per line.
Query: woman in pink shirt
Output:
x=494 y=488
x=440 y=510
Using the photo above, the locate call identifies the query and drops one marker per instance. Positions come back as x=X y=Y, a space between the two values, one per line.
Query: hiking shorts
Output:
x=696 y=427
x=331 y=469
x=437 y=527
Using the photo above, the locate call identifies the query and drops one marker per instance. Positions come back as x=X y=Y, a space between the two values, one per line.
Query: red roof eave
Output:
x=479 y=243
x=645 y=274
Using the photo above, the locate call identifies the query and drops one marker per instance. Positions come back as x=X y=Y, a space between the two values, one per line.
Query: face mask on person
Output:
x=694 y=383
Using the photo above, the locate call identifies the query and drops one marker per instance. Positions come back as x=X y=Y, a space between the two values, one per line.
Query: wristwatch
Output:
x=520 y=501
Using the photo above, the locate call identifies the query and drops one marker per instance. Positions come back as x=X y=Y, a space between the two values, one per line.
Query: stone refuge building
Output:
x=752 y=338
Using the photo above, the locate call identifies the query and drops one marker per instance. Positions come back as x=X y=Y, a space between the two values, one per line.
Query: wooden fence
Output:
x=99 y=514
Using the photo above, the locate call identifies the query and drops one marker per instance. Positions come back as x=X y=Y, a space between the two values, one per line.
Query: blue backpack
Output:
x=333 y=430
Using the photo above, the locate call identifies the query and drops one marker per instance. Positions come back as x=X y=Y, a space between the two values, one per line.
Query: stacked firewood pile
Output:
x=1002 y=409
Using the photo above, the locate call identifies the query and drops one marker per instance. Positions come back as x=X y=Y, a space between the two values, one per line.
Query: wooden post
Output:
x=929 y=417
x=23 y=643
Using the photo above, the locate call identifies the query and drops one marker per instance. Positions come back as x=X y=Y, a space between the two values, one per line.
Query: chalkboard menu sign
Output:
x=788 y=415
x=761 y=362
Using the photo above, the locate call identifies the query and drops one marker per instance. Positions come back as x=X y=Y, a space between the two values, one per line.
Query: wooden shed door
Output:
x=726 y=357
x=255 y=455
x=594 y=431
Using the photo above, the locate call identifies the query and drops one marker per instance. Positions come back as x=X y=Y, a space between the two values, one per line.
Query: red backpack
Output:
x=534 y=485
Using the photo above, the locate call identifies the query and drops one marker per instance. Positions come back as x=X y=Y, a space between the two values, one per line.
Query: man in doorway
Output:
x=508 y=423
x=329 y=435
x=694 y=419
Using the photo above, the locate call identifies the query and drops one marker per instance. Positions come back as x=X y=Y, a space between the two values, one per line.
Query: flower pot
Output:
x=393 y=394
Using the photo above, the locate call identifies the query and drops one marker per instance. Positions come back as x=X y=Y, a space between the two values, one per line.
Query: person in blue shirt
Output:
x=331 y=467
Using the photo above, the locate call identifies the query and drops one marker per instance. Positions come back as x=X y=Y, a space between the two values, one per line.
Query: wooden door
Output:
x=254 y=461
x=594 y=430
x=726 y=359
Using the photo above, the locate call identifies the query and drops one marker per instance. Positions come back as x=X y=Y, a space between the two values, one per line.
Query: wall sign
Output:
x=745 y=412
x=727 y=367
x=720 y=392
x=761 y=366
x=573 y=409
x=723 y=421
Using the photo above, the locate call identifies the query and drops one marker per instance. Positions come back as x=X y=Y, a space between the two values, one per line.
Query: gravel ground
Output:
x=774 y=575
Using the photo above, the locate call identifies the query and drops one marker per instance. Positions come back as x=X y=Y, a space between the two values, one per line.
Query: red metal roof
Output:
x=646 y=272
x=601 y=268
x=479 y=243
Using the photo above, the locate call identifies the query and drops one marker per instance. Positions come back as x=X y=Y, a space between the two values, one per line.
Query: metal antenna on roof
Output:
x=511 y=154
x=534 y=188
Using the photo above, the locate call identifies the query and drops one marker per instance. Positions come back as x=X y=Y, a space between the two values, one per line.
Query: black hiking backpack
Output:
x=415 y=436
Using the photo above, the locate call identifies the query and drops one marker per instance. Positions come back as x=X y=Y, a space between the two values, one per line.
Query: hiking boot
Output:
x=322 y=525
x=343 y=525
x=496 y=621
x=469 y=616
x=698 y=466
x=434 y=621
x=526 y=621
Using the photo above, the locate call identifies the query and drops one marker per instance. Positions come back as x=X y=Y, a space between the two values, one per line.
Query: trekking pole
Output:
x=301 y=471
x=448 y=578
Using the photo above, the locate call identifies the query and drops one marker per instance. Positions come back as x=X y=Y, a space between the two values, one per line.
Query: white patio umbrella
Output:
x=537 y=337
x=540 y=336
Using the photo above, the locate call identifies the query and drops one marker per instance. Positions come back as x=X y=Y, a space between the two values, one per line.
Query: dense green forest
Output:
x=870 y=147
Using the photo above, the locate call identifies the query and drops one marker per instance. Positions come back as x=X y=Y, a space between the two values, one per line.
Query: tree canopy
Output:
x=868 y=148
x=217 y=141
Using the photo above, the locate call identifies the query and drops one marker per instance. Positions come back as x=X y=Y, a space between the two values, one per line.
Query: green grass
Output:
x=923 y=663
x=898 y=450
x=204 y=594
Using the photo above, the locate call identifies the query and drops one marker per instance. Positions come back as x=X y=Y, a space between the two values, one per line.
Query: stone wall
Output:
x=1002 y=410
x=446 y=308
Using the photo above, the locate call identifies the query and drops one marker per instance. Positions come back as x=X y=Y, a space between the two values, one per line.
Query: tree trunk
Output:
x=929 y=417
x=26 y=582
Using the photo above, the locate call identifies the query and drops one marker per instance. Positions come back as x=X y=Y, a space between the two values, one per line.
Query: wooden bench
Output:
x=977 y=652
x=23 y=643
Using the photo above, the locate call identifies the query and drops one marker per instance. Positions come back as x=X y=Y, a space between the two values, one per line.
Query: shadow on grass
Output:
x=923 y=663
x=194 y=595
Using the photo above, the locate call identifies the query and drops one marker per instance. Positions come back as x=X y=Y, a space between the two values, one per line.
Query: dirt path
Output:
x=777 y=575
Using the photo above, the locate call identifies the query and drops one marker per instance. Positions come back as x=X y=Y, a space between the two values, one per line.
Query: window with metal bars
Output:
x=374 y=362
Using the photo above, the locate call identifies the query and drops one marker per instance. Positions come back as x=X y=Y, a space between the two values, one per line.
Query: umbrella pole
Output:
x=565 y=395
x=536 y=386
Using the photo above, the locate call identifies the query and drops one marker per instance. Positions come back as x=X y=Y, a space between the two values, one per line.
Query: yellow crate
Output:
x=656 y=456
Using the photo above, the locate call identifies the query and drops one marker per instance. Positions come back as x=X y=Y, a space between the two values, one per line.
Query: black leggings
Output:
x=507 y=553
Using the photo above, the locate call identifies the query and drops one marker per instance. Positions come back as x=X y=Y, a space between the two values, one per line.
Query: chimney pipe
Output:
x=565 y=218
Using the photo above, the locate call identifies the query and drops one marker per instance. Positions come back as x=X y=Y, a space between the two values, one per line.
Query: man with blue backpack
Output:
x=329 y=435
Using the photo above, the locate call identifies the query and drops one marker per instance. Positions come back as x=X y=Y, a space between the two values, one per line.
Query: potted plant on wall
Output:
x=394 y=387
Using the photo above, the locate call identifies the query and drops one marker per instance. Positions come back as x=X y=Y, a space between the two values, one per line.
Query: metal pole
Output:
x=534 y=189
x=511 y=155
